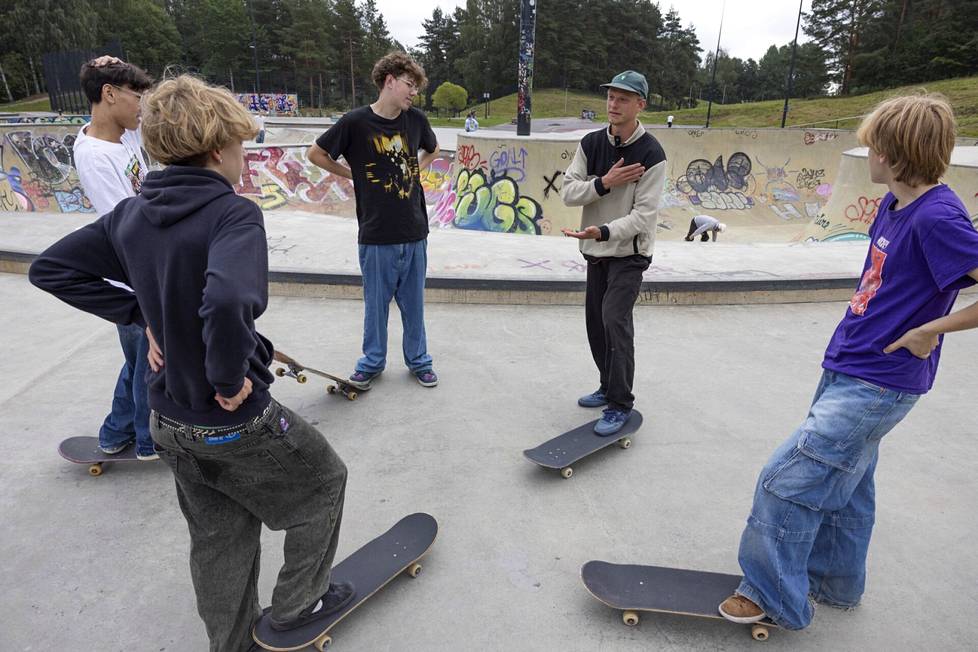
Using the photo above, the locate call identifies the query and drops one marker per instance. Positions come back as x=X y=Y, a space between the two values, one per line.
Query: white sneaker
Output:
x=147 y=458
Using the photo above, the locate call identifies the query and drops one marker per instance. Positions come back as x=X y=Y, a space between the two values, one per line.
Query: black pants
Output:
x=278 y=470
x=704 y=237
x=613 y=285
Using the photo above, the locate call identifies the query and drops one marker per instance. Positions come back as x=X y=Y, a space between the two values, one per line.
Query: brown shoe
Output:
x=739 y=609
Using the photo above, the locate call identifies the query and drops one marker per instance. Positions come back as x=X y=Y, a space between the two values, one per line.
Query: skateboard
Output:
x=370 y=569
x=85 y=450
x=294 y=369
x=665 y=590
x=563 y=451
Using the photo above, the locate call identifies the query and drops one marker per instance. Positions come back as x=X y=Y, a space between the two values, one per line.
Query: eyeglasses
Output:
x=407 y=82
x=138 y=96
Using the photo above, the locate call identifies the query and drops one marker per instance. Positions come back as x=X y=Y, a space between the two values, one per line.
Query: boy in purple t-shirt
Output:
x=809 y=528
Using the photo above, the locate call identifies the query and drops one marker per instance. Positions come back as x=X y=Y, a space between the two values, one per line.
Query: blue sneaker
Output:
x=611 y=421
x=593 y=400
x=362 y=379
x=118 y=448
x=427 y=377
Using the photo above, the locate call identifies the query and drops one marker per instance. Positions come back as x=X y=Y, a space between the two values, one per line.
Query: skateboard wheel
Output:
x=567 y=472
x=414 y=570
x=322 y=643
x=759 y=632
x=630 y=618
x=301 y=378
x=95 y=469
x=351 y=396
x=625 y=442
x=279 y=371
x=331 y=389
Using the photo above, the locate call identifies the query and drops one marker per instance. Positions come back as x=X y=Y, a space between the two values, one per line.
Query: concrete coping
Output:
x=961 y=155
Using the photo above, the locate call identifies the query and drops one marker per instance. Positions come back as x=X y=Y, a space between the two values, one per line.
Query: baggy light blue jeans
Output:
x=129 y=418
x=394 y=271
x=814 y=505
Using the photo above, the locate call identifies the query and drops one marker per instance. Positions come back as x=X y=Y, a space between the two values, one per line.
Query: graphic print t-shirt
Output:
x=383 y=156
x=919 y=258
x=109 y=172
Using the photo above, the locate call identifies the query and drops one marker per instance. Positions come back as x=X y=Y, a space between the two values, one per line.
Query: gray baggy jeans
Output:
x=277 y=470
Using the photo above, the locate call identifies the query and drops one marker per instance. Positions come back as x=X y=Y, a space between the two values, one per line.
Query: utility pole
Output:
x=713 y=78
x=254 y=48
x=791 y=69
x=353 y=85
x=524 y=76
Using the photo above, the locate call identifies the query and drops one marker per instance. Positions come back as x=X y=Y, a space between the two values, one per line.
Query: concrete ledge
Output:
x=532 y=292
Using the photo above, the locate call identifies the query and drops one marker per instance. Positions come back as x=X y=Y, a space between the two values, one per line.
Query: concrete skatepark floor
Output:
x=101 y=563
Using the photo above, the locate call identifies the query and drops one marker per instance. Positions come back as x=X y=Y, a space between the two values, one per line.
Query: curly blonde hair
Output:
x=397 y=64
x=184 y=118
x=916 y=135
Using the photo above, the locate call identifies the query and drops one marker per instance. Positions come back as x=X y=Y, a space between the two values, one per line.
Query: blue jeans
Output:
x=814 y=505
x=394 y=271
x=129 y=418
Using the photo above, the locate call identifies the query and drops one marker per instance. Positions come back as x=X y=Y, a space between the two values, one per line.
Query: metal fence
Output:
x=61 y=76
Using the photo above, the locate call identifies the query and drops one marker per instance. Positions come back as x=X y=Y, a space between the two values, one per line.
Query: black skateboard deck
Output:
x=370 y=569
x=85 y=450
x=563 y=451
x=293 y=369
x=635 y=588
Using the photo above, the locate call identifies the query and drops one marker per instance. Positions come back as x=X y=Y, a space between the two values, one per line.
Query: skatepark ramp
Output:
x=855 y=199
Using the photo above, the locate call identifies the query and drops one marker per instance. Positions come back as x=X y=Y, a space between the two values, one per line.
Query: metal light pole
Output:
x=713 y=78
x=254 y=48
x=528 y=22
x=791 y=68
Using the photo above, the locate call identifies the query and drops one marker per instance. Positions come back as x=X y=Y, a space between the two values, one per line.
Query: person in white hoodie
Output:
x=617 y=175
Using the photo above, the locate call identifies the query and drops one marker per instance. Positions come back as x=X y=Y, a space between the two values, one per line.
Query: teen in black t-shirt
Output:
x=382 y=154
x=380 y=143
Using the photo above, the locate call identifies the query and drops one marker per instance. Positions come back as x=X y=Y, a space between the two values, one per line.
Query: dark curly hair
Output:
x=397 y=64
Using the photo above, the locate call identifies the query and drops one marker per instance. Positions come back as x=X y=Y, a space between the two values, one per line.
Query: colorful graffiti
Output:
x=277 y=103
x=37 y=172
x=717 y=187
x=494 y=205
x=45 y=119
x=279 y=177
x=436 y=180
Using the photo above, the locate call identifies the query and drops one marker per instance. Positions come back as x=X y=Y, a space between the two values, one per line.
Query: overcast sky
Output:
x=749 y=26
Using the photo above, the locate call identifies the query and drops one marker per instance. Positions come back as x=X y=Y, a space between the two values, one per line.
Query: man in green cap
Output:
x=617 y=175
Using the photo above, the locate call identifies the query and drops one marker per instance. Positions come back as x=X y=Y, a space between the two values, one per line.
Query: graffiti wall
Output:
x=44 y=119
x=506 y=184
x=281 y=177
x=748 y=178
x=37 y=170
x=275 y=103
x=856 y=199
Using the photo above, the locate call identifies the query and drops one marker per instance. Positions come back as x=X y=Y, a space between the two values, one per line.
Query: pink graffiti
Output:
x=287 y=173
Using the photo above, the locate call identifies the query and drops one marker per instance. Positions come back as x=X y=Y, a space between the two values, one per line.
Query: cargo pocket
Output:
x=813 y=471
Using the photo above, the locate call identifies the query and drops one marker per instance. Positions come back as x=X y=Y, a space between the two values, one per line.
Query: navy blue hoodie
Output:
x=195 y=253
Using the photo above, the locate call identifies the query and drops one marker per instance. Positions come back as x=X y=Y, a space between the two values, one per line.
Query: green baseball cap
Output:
x=630 y=81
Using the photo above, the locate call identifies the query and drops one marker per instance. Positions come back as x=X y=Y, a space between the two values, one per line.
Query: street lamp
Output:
x=485 y=96
x=254 y=48
x=791 y=68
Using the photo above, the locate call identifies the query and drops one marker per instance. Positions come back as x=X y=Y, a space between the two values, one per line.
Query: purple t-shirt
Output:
x=919 y=258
